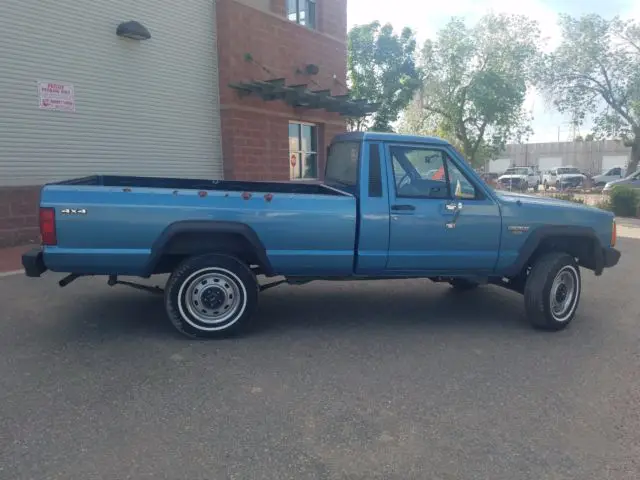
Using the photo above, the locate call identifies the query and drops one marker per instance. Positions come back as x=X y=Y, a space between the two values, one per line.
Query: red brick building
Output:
x=262 y=40
x=235 y=89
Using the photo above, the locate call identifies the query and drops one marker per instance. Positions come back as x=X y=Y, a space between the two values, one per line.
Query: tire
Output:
x=211 y=296
x=462 y=284
x=546 y=302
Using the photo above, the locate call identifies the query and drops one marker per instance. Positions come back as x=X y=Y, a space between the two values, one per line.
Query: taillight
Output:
x=614 y=234
x=48 y=226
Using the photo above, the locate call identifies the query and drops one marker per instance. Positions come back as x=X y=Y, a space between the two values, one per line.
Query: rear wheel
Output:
x=552 y=291
x=211 y=296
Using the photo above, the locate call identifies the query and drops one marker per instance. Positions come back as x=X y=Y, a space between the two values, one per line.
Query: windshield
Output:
x=516 y=171
x=634 y=175
x=564 y=171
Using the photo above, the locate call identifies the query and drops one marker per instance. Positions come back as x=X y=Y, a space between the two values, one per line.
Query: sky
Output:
x=426 y=17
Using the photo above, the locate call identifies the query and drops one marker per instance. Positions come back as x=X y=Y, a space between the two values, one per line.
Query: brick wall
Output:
x=254 y=132
x=19 y=215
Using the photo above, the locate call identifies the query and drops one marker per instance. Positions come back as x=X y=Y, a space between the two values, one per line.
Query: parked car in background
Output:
x=519 y=178
x=491 y=178
x=610 y=175
x=632 y=181
x=563 y=177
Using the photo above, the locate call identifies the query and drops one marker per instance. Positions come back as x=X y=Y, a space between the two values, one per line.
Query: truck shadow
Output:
x=325 y=308
x=415 y=305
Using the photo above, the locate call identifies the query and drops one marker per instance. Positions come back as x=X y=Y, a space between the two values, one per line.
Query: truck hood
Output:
x=511 y=197
x=508 y=177
x=536 y=211
x=566 y=176
x=619 y=181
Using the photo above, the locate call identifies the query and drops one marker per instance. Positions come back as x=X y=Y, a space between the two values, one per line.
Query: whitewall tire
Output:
x=211 y=296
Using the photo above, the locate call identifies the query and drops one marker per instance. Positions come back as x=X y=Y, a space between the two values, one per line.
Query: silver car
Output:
x=632 y=181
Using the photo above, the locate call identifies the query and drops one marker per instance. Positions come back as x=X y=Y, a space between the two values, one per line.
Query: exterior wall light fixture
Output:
x=133 y=30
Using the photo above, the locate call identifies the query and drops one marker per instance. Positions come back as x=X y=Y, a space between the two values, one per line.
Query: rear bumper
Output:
x=33 y=263
x=611 y=257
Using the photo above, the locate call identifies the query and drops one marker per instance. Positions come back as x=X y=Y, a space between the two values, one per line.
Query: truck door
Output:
x=441 y=218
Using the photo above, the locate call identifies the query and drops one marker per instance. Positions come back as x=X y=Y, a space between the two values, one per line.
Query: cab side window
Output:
x=461 y=187
x=428 y=173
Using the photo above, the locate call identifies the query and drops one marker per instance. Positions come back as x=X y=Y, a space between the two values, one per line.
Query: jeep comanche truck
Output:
x=390 y=206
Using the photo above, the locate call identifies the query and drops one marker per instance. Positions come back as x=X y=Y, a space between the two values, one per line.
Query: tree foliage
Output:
x=595 y=71
x=475 y=82
x=381 y=68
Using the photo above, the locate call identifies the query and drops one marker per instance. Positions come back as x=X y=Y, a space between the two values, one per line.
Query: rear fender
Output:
x=197 y=237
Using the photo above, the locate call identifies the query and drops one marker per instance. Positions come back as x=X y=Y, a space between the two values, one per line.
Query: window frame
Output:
x=314 y=26
x=480 y=194
x=300 y=152
x=341 y=185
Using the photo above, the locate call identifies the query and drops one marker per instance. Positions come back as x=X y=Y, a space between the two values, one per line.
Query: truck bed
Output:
x=301 y=188
x=108 y=224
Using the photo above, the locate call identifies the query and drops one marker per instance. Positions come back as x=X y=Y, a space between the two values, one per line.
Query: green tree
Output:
x=381 y=68
x=595 y=71
x=475 y=81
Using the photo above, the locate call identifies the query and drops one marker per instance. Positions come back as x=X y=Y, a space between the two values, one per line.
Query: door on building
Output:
x=439 y=217
x=546 y=164
x=612 y=161
x=499 y=165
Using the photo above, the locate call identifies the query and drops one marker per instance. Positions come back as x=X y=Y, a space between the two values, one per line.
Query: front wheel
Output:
x=552 y=291
x=211 y=296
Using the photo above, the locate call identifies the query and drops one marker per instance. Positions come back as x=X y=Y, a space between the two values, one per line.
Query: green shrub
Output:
x=569 y=197
x=604 y=204
x=624 y=201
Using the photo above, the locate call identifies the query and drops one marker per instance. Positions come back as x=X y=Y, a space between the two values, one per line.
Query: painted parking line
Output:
x=11 y=273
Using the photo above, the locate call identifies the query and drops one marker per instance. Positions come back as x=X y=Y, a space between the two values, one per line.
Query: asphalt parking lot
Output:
x=376 y=380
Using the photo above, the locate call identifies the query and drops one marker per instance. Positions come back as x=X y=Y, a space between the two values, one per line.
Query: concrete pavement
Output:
x=375 y=380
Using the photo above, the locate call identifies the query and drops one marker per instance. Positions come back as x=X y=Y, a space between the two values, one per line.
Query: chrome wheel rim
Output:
x=212 y=299
x=563 y=293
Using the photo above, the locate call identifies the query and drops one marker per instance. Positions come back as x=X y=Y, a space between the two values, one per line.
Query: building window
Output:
x=302 y=12
x=303 y=151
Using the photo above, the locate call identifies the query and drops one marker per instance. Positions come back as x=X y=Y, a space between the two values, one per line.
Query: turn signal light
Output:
x=614 y=234
x=48 y=226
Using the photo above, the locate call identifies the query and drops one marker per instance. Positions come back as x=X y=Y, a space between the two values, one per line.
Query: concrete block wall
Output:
x=586 y=156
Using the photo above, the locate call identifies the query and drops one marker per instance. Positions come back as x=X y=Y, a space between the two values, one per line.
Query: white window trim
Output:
x=297 y=20
x=300 y=153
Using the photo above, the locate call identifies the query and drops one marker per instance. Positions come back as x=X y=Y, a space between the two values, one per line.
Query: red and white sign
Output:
x=56 y=96
x=293 y=160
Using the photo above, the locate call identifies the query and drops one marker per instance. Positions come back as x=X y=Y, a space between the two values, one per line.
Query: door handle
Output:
x=405 y=208
x=456 y=208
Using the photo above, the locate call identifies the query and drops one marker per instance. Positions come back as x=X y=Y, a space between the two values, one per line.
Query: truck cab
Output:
x=391 y=206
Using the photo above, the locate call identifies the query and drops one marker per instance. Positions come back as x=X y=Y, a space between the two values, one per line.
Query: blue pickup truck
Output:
x=391 y=206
